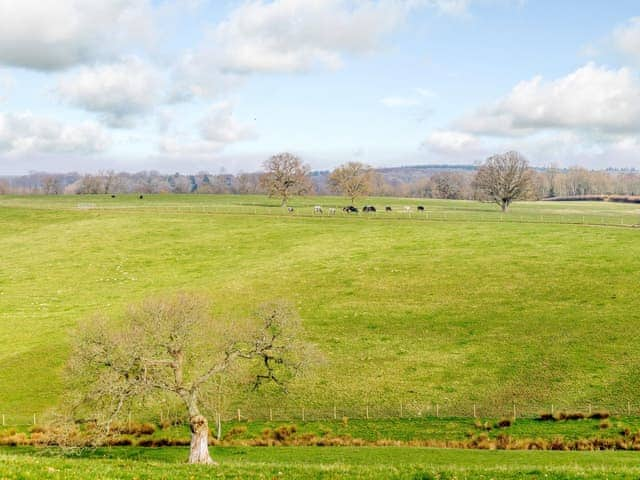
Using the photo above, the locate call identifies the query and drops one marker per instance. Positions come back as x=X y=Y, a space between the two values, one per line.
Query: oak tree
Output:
x=174 y=347
x=504 y=178
x=285 y=176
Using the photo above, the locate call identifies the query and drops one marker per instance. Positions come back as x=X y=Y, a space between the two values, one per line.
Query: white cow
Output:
x=317 y=209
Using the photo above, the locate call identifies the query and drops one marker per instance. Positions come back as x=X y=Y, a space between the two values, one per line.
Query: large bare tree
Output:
x=285 y=176
x=353 y=180
x=175 y=347
x=504 y=178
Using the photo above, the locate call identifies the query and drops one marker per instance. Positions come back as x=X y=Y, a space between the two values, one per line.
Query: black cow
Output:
x=141 y=197
x=290 y=209
x=350 y=209
x=387 y=208
x=113 y=196
x=368 y=208
x=420 y=208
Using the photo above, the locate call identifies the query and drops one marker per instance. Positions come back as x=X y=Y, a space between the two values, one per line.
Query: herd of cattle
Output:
x=351 y=209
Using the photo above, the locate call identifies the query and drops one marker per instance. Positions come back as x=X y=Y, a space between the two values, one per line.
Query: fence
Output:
x=540 y=213
x=366 y=412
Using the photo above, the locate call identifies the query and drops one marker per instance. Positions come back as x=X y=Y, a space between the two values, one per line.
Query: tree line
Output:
x=350 y=178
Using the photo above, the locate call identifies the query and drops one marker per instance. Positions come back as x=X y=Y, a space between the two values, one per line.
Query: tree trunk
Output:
x=199 y=452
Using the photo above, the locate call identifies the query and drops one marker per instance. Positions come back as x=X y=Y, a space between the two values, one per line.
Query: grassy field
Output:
x=322 y=463
x=456 y=307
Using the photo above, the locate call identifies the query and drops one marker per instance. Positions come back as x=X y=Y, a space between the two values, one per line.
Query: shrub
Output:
x=504 y=423
x=600 y=415
x=604 y=424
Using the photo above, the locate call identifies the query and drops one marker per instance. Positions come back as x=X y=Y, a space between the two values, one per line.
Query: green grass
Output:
x=464 y=309
x=322 y=463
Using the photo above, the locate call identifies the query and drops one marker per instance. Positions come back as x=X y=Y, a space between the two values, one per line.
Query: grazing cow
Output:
x=387 y=208
x=369 y=208
x=407 y=208
x=141 y=197
x=350 y=209
x=113 y=196
x=317 y=209
x=332 y=211
x=290 y=209
x=420 y=208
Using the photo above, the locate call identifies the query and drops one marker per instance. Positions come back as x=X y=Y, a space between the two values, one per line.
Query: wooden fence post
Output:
x=3 y=424
x=34 y=418
x=514 y=412
x=303 y=414
x=628 y=410
x=474 y=410
x=335 y=412
x=270 y=415
x=400 y=408
x=437 y=410
x=589 y=408
x=239 y=418
x=367 y=412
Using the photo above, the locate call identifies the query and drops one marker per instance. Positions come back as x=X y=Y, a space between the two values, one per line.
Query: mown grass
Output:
x=460 y=311
x=322 y=463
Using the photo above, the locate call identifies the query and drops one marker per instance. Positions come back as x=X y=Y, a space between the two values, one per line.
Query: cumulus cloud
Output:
x=220 y=126
x=288 y=36
x=298 y=35
x=627 y=37
x=591 y=98
x=50 y=35
x=451 y=141
x=28 y=133
x=217 y=129
x=118 y=92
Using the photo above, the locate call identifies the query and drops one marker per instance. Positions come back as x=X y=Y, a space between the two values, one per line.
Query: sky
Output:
x=221 y=85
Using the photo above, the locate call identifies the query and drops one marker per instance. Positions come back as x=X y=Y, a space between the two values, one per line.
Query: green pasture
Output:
x=456 y=307
x=321 y=463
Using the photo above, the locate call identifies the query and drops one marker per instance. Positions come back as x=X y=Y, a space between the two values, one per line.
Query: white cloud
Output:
x=220 y=126
x=591 y=98
x=298 y=35
x=451 y=141
x=451 y=7
x=627 y=37
x=50 y=35
x=217 y=129
x=118 y=92
x=27 y=133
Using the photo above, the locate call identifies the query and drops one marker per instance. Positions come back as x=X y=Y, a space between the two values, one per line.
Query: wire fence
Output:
x=369 y=412
x=542 y=214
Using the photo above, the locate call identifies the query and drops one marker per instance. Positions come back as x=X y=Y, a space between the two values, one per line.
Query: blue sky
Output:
x=189 y=85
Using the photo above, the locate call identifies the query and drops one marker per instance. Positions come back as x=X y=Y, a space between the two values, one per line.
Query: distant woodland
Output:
x=430 y=181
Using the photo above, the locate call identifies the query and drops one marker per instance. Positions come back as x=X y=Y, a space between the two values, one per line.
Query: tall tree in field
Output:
x=285 y=176
x=504 y=178
x=175 y=347
x=353 y=180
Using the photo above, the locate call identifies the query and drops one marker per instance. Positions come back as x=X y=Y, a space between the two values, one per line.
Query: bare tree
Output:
x=285 y=176
x=353 y=180
x=504 y=178
x=447 y=185
x=51 y=185
x=175 y=347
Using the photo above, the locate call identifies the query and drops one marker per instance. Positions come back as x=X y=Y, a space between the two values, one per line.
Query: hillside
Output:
x=455 y=307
